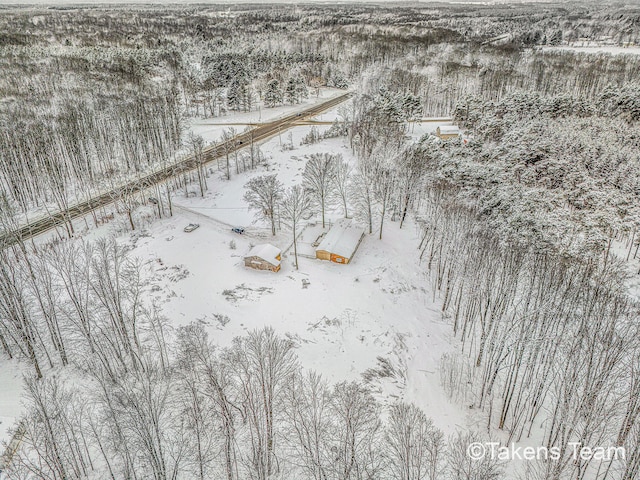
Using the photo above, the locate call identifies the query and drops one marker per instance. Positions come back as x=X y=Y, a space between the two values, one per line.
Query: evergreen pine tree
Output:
x=273 y=94
x=302 y=91
x=291 y=91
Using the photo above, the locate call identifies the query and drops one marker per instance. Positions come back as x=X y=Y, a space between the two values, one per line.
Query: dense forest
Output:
x=110 y=88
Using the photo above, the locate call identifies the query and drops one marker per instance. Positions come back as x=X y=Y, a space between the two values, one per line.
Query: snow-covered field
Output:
x=350 y=316
x=350 y=320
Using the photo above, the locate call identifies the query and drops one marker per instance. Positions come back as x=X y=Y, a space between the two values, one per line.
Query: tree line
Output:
x=517 y=233
x=118 y=392
x=47 y=165
x=210 y=64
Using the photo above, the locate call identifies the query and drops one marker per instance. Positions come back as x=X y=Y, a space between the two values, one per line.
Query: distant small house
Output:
x=341 y=242
x=264 y=257
x=445 y=132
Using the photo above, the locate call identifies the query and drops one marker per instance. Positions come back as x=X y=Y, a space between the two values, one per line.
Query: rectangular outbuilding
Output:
x=340 y=243
x=445 y=132
x=264 y=257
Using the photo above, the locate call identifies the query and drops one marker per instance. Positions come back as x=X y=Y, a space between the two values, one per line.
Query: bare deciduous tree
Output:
x=363 y=196
x=383 y=188
x=410 y=173
x=414 y=446
x=341 y=182
x=263 y=195
x=262 y=364
x=196 y=146
x=461 y=466
x=295 y=206
x=355 y=438
x=317 y=177
x=309 y=424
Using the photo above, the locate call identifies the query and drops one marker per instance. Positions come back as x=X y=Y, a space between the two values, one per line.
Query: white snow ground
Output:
x=11 y=389
x=349 y=316
x=380 y=305
x=212 y=128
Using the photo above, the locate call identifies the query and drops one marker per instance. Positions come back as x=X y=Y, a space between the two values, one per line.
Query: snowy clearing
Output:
x=350 y=320
x=349 y=316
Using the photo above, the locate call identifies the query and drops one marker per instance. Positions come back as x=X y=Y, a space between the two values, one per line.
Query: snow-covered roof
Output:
x=342 y=239
x=267 y=252
x=449 y=130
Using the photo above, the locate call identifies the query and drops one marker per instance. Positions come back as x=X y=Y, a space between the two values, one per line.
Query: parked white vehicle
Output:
x=191 y=227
